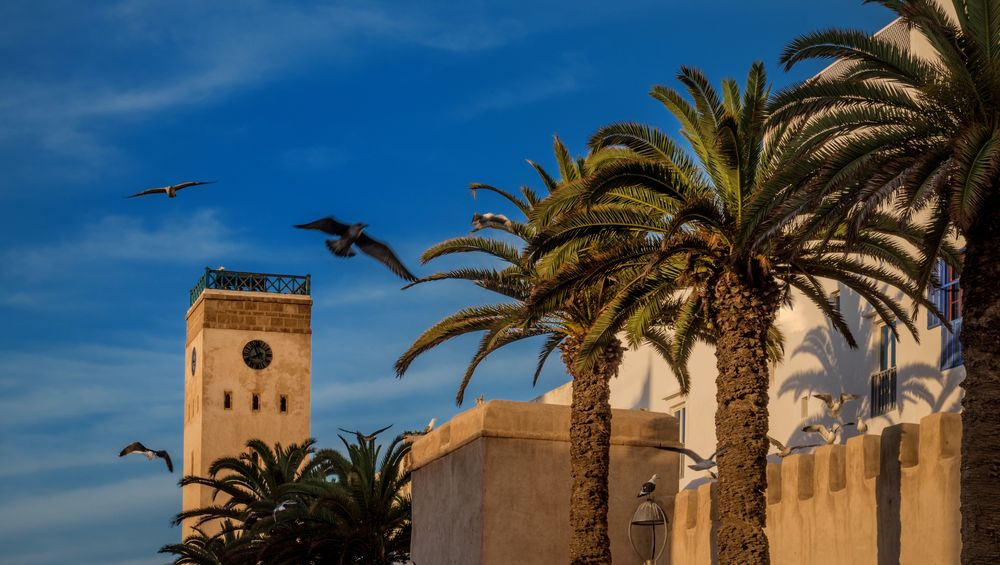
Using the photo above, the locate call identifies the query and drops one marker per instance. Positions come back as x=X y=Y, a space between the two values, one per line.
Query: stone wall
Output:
x=492 y=486
x=876 y=500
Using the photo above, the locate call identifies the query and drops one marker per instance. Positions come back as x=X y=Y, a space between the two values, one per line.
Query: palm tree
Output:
x=359 y=514
x=254 y=483
x=226 y=548
x=725 y=257
x=923 y=135
x=563 y=325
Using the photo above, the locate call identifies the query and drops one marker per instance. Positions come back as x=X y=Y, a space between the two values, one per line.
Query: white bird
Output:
x=833 y=405
x=480 y=400
x=137 y=447
x=489 y=220
x=862 y=425
x=281 y=507
x=786 y=451
x=648 y=487
x=829 y=435
x=430 y=425
x=700 y=463
x=170 y=191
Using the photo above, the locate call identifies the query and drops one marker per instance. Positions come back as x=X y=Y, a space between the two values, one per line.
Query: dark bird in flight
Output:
x=136 y=447
x=786 y=451
x=648 y=487
x=363 y=437
x=171 y=191
x=353 y=234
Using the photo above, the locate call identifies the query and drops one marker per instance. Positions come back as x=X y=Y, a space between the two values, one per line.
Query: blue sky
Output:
x=372 y=111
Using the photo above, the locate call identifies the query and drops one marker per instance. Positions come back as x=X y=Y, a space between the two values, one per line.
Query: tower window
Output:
x=227 y=400
x=283 y=404
x=255 y=403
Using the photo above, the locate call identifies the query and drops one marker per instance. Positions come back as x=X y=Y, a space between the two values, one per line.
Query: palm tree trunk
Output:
x=742 y=314
x=980 y=424
x=589 y=448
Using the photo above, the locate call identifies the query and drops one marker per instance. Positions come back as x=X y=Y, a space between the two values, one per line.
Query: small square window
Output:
x=255 y=403
x=227 y=400
x=283 y=404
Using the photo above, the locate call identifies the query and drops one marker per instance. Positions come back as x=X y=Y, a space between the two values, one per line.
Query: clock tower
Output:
x=246 y=375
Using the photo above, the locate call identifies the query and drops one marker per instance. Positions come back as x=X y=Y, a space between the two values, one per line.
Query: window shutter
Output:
x=937 y=297
x=951 y=346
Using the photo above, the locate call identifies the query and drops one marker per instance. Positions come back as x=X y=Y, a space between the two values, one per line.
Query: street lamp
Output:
x=647 y=518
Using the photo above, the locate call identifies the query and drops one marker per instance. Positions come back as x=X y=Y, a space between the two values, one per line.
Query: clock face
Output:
x=257 y=354
x=194 y=360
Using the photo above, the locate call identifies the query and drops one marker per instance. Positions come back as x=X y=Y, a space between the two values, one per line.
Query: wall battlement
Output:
x=878 y=499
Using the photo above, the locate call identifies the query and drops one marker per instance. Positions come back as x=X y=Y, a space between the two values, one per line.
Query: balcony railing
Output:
x=250 y=282
x=883 y=396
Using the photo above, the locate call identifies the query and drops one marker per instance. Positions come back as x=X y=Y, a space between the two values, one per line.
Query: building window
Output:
x=887 y=347
x=283 y=403
x=883 y=383
x=883 y=392
x=949 y=300
x=227 y=400
x=680 y=413
x=255 y=403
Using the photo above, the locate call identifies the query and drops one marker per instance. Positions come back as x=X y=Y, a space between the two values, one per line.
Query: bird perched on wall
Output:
x=862 y=425
x=700 y=463
x=136 y=447
x=353 y=234
x=489 y=220
x=480 y=400
x=430 y=425
x=833 y=405
x=171 y=191
x=362 y=438
x=786 y=451
x=829 y=435
x=648 y=487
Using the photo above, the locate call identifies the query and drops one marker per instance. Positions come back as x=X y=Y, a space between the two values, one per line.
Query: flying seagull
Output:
x=430 y=425
x=833 y=405
x=363 y=437
x=352 y=234
x=281 y=507
x=786 y=451
x=171 y=191
x=489 y=220
x=648 y=487
x=700 y=463
x=136 y=447
x=829 y=435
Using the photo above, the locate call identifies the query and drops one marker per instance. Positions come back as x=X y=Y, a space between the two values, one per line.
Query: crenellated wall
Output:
x=874 y=501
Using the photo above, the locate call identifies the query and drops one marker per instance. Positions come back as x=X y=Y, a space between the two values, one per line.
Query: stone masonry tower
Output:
x=246 y=372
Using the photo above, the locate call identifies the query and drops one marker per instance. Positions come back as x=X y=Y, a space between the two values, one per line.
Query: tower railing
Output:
x=222 y=279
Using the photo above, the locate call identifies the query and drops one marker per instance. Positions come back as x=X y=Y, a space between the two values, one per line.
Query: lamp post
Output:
x=649 y=515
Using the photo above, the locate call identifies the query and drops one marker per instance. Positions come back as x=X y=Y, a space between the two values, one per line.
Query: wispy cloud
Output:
x=520 y=93
x=199 y=236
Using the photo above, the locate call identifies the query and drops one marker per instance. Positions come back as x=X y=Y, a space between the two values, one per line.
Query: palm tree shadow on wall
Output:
x=838 y=368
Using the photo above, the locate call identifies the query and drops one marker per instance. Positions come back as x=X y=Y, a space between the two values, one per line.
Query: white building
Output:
x=896 y=380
